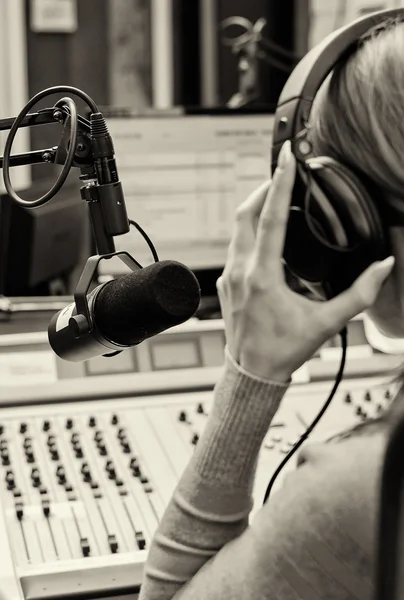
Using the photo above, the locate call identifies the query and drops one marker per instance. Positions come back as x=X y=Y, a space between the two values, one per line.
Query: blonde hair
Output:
x=358 y=116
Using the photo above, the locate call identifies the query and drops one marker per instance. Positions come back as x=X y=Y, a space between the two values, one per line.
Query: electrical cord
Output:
x=148 y=240
x=344 y=340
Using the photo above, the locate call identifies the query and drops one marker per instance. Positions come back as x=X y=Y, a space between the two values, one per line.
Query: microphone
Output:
x=128 y=310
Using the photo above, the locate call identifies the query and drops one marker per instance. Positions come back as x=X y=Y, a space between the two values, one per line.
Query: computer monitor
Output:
x=41 y=248
x=183 y=177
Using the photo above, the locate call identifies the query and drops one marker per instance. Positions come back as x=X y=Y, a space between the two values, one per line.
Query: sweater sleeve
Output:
x=211 y=504
x=313 y=539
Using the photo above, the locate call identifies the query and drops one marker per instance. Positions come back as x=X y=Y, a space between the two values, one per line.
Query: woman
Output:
x=315 y=538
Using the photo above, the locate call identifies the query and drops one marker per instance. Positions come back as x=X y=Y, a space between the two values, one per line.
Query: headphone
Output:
x=337 y=225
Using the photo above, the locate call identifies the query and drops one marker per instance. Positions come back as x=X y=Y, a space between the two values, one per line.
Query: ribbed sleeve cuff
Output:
x=243 y=408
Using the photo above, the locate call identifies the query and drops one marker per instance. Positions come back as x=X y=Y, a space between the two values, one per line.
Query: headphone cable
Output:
x=344 y=342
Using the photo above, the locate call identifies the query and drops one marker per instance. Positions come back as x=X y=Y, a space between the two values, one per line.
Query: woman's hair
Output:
x=358 y=117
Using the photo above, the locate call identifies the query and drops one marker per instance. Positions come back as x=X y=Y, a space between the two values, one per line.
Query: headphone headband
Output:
x=337 y=222
x=297 y=96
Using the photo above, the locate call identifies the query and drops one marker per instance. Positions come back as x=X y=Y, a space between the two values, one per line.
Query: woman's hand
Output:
x=270 y=330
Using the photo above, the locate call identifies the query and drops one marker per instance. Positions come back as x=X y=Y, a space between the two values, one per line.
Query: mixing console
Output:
x=83 y=485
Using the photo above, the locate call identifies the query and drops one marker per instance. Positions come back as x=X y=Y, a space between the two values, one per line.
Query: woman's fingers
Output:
x=247 y=217
x=274 y=216
x=360 y=296
x=242 y=243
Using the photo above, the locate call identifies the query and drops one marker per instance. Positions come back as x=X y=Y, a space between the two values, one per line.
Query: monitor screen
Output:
x=183 y=178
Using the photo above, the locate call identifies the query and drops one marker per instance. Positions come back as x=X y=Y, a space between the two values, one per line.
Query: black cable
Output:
x=344 y=341
x=148 y=240
x=66 y=167
x=72 y=146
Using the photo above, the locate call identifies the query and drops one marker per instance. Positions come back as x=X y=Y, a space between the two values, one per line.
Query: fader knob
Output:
x=98 y=435
x=200 y=409
x=46 y=425
x=35 y=476
x=19 y=510
x=61 y=474
x=85 y=471
x=126 y=447
x=368 y=397
x=348 y=398
x=110 y=468
x=195 y=439
x=5 y=457
x=387 y=395
x=1 y=429
x=23 y=427
x=136 y=470
x=54 y=453
x=9 y=478
x=102 y=449
x=91 y=422
x=75 y=438
x=140 y=540
x=69 y=423
x=85 y=547
x=46 y=508
x=29 y=455
x=113 y=544
x=182 y=416
x=114 y=420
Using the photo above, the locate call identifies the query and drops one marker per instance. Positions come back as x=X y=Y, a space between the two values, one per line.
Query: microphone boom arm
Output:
x=56 y=155
x=93 y=154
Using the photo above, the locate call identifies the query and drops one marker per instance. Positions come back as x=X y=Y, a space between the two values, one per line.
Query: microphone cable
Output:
x=62 y=104
x=344 y=342
x=147 y=239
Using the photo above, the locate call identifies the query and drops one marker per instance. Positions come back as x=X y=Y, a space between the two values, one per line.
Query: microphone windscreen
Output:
x=145 y=302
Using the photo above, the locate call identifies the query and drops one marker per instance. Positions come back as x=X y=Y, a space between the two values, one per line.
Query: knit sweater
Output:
x=315 y=537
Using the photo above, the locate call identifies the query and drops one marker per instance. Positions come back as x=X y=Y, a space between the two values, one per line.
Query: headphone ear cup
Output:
x=334 y=236
x=349 y=197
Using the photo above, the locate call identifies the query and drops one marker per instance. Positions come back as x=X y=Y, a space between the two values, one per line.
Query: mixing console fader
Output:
x=83 y=485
